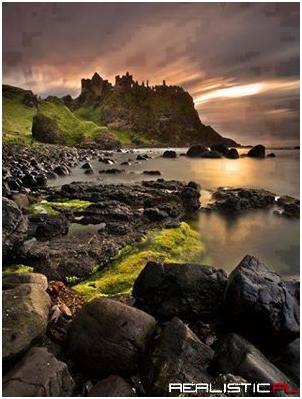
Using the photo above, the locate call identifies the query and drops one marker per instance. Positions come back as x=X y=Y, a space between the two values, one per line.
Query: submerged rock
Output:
x=108 y=337
x=232 y=153
x=195 y=151
x=169 y=154
x=257 y=152
x=259 y=306
x=222 y=149
x=185 y=290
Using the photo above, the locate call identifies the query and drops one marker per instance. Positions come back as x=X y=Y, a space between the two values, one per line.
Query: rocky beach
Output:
x=75 y=324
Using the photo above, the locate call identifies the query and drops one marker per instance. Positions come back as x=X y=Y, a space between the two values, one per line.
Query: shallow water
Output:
x=274 y=240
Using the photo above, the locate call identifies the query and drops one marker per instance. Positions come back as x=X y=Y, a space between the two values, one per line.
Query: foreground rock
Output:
x=112 y=386
x=108 y=337
x=38 y=374
x=195 y=151
x=259 y=305
x=179 y=356
x=185 y=290
x=236 y=355
x=25 y=313
x=14 y=229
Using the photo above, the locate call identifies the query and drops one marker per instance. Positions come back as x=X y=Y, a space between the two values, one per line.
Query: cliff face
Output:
x=165 y=114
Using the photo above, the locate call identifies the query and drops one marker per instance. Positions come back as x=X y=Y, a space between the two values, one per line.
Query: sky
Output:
x=239 y=61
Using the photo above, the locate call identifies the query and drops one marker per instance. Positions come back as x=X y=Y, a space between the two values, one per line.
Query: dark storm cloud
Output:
x=252 y=48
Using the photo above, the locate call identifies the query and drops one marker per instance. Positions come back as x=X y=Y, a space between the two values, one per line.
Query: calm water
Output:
x=274 y=240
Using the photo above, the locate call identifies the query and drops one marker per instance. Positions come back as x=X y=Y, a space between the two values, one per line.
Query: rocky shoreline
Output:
x=182 y=323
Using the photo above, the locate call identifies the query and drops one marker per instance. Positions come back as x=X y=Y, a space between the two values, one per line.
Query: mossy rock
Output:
x=46 y=130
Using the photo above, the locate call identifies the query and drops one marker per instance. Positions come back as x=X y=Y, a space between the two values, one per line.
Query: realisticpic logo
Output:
x=232 y=387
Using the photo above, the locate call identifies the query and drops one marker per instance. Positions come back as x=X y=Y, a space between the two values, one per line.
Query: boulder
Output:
x=13 y=280
x=169 y=154
x=259 y=305
x=108 y=337
x=195 y=151
x=46 y=130
x=220 y=148
x=14 y=229
x=232 y=154
x=86 y=165
x=178 y=357
x=38 y=374
x=211 y=154
x=22 y=200
x=236 y=355
x=112 y=386
x=187 y=291
x=257 y=152
x=25 y=308
x=152 y=172
x=271 y=155
x=288 y=360
x=61 y=170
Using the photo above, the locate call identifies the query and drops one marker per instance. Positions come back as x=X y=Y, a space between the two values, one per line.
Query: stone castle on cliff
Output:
x=99 y=86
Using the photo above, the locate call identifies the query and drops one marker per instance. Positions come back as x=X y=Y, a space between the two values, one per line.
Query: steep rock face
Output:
x=165 y=114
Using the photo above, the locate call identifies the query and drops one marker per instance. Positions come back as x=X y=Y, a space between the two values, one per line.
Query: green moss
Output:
x=181 y=244
x=48 y=206
x=18 y=269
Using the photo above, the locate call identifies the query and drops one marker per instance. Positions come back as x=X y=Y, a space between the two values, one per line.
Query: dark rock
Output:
x=188 y=291
x=6 y=191
x=141 y=158
x=117 y=337
x=179 y=356
x=288 y=360
x=234 y=354
x=232 y=154
x=112 y=386
x=46 y=226
x=86 y=165
x=190 y=198
x=196 y=151
x=61 y=170
x=38 y=374
x=257 y=152
x=89 y=172
x=14 y=229
x=152 y=172
x=220 y=148
x=29 y=181
x=112 y=171
x=211 y=154
x=155 y=214
x=24 y=316
x=259 y=306
x=106 y=161
x=271 y=155
x=13 y=184
x=41 y=180
x=46 y=130
x=169 y=154
x=291 y=209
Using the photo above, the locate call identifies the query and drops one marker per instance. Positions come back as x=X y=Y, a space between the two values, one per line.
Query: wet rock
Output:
x=232 y=153
x=222 y=149
x=236 y=355
x=191 y=292
x=291 y=209
x=195 y=151
x=271 y=155
x=141 y=157
x=38 y=374
x=106 y=161
x=155 y=214
x=14 y=229
x=61 y=170
x=25 y=309
x=29 y=181
x=178 y=357
x=257 y=152
x=46 y=226
x=112 y=171
x=117 y=337
x=13 y=184
x=259 y=305
x=211 y=154
x=89 y=172
x=288 y=360
x=86 y=165
x=41 y=180
x=169 y=154
x=152 y=172
x=112 y=386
